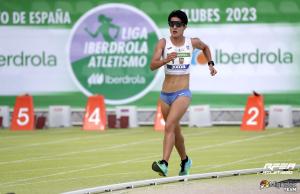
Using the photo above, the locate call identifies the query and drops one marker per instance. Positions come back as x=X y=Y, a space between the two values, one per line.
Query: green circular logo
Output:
x=110 y=50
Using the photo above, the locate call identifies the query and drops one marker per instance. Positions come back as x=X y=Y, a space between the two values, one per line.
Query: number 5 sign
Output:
x=95 y=114
x=23 y=115
x=254 y=115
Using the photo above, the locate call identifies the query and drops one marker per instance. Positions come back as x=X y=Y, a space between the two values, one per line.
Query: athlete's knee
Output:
x=170 y=127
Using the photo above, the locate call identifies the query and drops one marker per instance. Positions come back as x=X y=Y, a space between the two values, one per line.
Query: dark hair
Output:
x=180 y=14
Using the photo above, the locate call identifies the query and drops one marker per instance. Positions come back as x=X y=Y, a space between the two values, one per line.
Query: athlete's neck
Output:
x=178 y=41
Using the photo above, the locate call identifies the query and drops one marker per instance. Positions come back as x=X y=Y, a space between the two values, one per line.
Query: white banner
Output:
x=34 y=60
x=248 y=57
x=261 y=57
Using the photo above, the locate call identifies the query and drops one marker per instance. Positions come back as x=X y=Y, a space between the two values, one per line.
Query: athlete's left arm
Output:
x=197 y=43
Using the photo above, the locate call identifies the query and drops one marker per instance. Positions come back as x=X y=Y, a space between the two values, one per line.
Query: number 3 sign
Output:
x=254 y=114
x=23 y=115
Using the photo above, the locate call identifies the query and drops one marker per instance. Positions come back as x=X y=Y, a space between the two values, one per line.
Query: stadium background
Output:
x=255 y=45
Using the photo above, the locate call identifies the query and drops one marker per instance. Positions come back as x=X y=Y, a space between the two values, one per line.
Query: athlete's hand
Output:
x=212 y=70
x=171 y=57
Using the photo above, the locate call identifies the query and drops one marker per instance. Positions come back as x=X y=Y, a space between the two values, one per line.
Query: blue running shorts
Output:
x=170 y=97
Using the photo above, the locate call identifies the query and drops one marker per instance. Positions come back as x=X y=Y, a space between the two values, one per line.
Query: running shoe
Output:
x=160 y=167
x=185 y=168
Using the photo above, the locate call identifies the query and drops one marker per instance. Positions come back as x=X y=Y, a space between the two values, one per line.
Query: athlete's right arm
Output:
x=157 y=60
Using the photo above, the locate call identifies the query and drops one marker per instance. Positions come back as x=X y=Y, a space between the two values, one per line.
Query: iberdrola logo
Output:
x=110 y=49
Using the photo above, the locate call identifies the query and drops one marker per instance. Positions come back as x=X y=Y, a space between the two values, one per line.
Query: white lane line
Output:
x=45 y=143
x=234 y=142
x=66 y=140
x=253 y=158
x=21 y=134
x=46 y=169
x=71 y=139
x=119 y=146
x=79 y=178
x=20 y=181
x=55 y=157
x=14 y=183
x=94 y=167
x=239 y=141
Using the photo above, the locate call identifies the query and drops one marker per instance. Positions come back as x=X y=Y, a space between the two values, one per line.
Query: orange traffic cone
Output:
x=159 y=122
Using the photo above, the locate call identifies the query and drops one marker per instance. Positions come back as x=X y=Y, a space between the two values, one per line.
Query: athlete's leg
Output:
x=176 y=111
x=161 y=166
x=165 y=108
x=179 y=142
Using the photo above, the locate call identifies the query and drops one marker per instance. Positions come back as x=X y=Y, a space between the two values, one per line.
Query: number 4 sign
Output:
x=95 y=114
x=254 y=115
x=23 y=115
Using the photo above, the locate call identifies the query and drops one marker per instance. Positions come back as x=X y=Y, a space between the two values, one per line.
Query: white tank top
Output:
x=181 y=64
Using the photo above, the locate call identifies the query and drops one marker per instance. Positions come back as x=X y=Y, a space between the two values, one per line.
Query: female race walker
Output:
x=174 y=53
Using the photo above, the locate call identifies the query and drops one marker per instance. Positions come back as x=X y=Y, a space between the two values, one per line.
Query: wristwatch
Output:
x=211 y=63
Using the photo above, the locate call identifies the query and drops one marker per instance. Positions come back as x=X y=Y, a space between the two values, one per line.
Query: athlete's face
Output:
x=176 y=27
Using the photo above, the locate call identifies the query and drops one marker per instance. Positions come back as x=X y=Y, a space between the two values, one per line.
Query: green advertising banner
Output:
x=63 y=51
